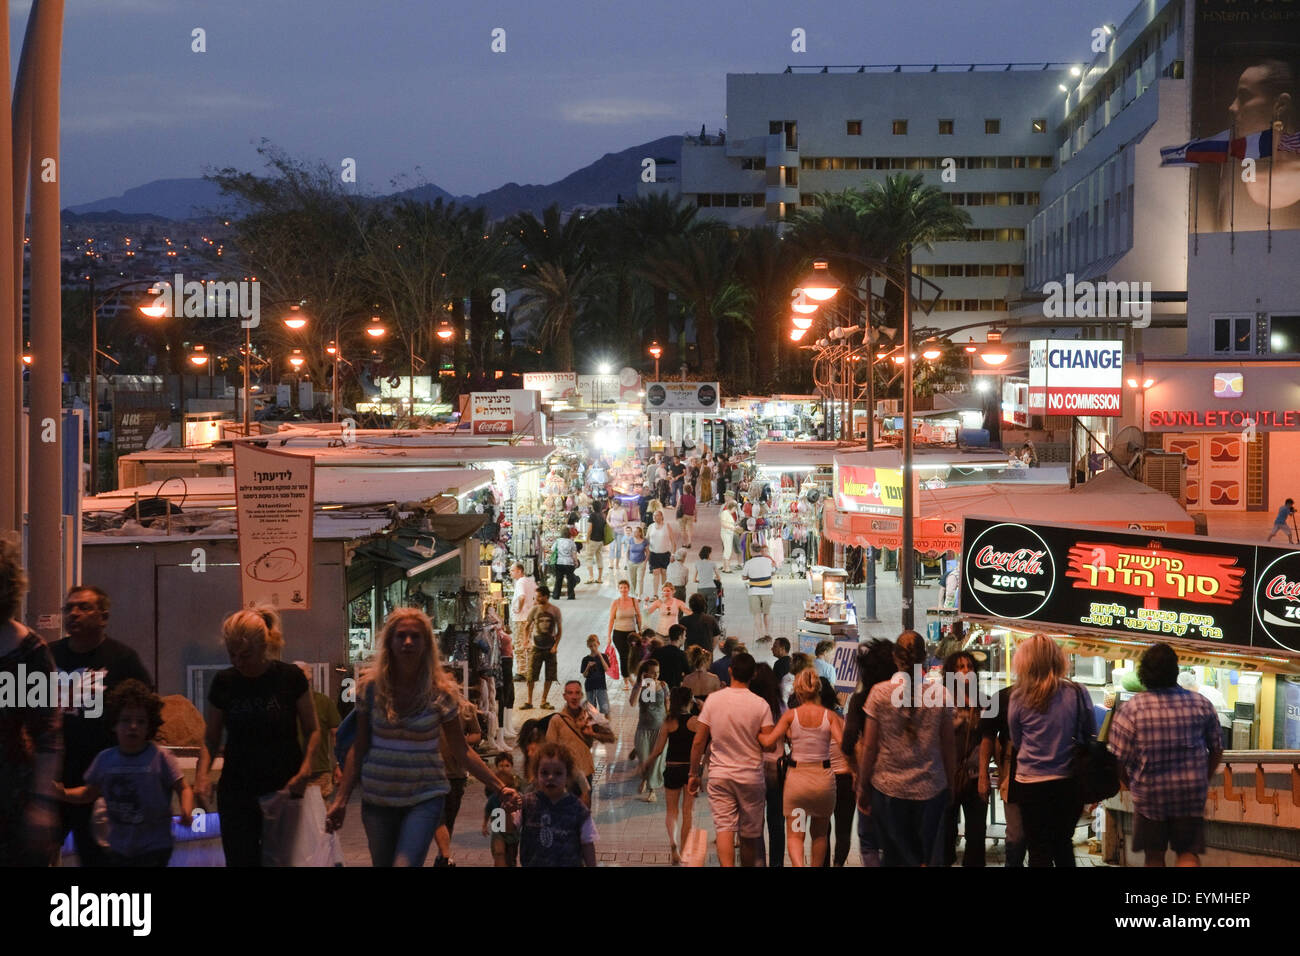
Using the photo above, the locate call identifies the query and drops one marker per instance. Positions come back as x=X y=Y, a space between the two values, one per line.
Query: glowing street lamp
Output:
x=295 y=319
x=445 y=331
x=376 y=329
x=931 y=354
x=801 y=322
x=656 y=350
x=818 y=285
x=199 y=357
x=994 y=357
x=296 y=359
x=797 y=334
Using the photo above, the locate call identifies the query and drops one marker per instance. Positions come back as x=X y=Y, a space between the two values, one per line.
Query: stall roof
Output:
x=798 y=454
x=343 y=487
x=1109 y=500
x=890 y=456
x=370 y=452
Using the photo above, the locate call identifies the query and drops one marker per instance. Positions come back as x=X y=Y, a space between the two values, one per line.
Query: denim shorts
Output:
x=400 y=836
x=599 y=697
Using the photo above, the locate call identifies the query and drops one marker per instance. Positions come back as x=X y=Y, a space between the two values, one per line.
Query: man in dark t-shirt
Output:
x=781 y=657
x=702 y=629
x=671 y=658
x=101 y=663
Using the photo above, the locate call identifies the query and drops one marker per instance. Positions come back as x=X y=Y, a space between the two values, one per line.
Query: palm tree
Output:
x=560 y=277
x=648 y=222
x=483 y=259
x=698 y=267
x=768 y=267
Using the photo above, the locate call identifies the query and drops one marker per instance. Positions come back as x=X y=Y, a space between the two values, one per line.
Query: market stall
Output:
x=1227 y=608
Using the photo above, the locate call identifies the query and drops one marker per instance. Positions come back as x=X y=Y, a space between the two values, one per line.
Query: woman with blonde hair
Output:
x=261 y=705
x=1048 y=714
x=701 y=681
x=809 y=795
x=407 y=708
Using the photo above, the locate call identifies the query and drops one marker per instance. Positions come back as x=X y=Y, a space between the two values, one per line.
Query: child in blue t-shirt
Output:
x=136 y=779
x=555 y=827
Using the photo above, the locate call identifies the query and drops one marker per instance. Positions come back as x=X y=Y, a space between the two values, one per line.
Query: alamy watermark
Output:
x=79 y=690
x=1098 y=300
x=210 y=299
x=952 y=690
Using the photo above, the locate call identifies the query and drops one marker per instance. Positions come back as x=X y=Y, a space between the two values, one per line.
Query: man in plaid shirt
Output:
x=1168 y=745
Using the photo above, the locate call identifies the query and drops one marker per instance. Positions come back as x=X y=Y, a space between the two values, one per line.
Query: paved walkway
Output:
x=631 y=832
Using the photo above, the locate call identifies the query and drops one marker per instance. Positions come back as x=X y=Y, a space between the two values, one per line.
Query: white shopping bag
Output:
x=293 y=831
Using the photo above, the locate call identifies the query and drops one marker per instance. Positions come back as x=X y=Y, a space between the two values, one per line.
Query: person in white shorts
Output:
x=730 y=722
x=757 y=572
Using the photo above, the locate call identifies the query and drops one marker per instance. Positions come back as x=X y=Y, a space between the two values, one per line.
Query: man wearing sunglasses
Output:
x=101 y=663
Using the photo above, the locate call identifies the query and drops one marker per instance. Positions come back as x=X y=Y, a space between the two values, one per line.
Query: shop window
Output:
x=900 y=127
x=1284 y=333
x=945 y=127
x=992 y=126
x=854 y=127
x=1234 y=333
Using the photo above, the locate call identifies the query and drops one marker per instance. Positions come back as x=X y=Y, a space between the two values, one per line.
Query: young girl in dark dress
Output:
x=677 y=734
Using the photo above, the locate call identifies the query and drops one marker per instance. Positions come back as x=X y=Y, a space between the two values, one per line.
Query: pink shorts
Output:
x=738 y=807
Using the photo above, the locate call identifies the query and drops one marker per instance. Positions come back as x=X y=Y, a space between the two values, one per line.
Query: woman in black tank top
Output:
x=677 y=734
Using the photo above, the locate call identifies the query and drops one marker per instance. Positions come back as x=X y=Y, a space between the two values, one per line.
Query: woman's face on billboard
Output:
x=1253 y=109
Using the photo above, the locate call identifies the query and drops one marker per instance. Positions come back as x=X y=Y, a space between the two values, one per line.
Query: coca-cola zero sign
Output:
x=1011 y=572
x=1277 y=601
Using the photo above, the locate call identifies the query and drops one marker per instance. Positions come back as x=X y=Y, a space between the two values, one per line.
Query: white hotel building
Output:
x=812 y=129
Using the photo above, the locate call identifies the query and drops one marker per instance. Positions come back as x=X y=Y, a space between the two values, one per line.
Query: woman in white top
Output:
x=809 y=798
x=727 y=523
x=617 y=519
x=663 y=541
x=669 y=611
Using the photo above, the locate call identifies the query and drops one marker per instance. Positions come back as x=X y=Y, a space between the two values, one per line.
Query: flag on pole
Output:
x=1215 y=149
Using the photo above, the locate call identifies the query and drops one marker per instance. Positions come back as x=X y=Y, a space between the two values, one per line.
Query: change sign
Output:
x=1075 y=377
x=1152 y=586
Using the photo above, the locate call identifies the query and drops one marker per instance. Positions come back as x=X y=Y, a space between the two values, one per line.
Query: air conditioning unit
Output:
x=1165 y=471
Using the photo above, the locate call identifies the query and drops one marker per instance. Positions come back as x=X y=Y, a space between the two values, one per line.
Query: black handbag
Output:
x=1093 y=765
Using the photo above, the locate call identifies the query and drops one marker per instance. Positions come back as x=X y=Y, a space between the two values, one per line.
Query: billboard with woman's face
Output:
x=1245 y=70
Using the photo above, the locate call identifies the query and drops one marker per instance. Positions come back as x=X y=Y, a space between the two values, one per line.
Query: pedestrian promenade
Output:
x=633 y=832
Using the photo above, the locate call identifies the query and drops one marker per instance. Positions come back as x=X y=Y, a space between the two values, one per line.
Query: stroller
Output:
x=798 y=563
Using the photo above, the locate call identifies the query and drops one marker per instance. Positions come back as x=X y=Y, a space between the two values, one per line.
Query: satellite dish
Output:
x=1127 y=448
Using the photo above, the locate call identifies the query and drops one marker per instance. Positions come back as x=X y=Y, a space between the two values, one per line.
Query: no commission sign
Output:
x=1075 y=377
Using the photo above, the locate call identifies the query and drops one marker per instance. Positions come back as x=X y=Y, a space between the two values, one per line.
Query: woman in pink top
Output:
x=809 y=798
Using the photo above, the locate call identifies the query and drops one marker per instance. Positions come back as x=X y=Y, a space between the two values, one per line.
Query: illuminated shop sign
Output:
x=1072 y=377
x=1262 y=419
x=1139 y=585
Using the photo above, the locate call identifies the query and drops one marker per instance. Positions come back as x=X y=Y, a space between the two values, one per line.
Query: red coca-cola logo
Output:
x=1022 y=561
x=492 y=428
x=1280 y=587
x=1277 y=598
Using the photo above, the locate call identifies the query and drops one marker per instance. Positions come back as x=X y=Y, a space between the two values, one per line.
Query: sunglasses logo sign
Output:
x=1229 y=384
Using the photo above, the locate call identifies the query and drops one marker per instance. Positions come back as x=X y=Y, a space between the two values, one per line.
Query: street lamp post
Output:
x=151 y=311
x=656 y=350
x=821 y=287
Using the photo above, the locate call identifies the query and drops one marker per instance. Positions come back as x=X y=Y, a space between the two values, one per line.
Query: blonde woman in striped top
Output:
x=398 y=753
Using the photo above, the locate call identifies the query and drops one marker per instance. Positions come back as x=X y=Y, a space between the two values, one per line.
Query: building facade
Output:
x=981 y=133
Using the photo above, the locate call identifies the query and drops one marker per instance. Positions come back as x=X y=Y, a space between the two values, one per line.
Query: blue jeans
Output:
x=868 y=841
x=599 y=698
x=400 y=836
x=910 y=831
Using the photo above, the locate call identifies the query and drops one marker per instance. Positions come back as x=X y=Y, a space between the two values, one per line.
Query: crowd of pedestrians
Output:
x=784 y=763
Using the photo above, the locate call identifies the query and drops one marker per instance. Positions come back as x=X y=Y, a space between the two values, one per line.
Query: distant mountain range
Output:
x=597 y=184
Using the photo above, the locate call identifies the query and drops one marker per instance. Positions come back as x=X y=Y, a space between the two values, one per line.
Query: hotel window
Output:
x=760 y=199
x=837 y=162
x=754 y=163
x=807 y=199
x=1234 y=333
x=824 y=162
x=992 y=126
x=791 y=175
x=971 y=305
x=900 y=127
x=1040 y=126
x=747 y=199
x=732 y=199
x=897 y=162
x=854 y=127
x=807 y=162
x=945 y=127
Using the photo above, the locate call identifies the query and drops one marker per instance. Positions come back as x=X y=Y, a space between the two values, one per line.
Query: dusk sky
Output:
x=413 y=90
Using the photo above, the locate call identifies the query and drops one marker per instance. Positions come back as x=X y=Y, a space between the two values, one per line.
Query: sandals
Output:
x=525 y=706
x=547 y=705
